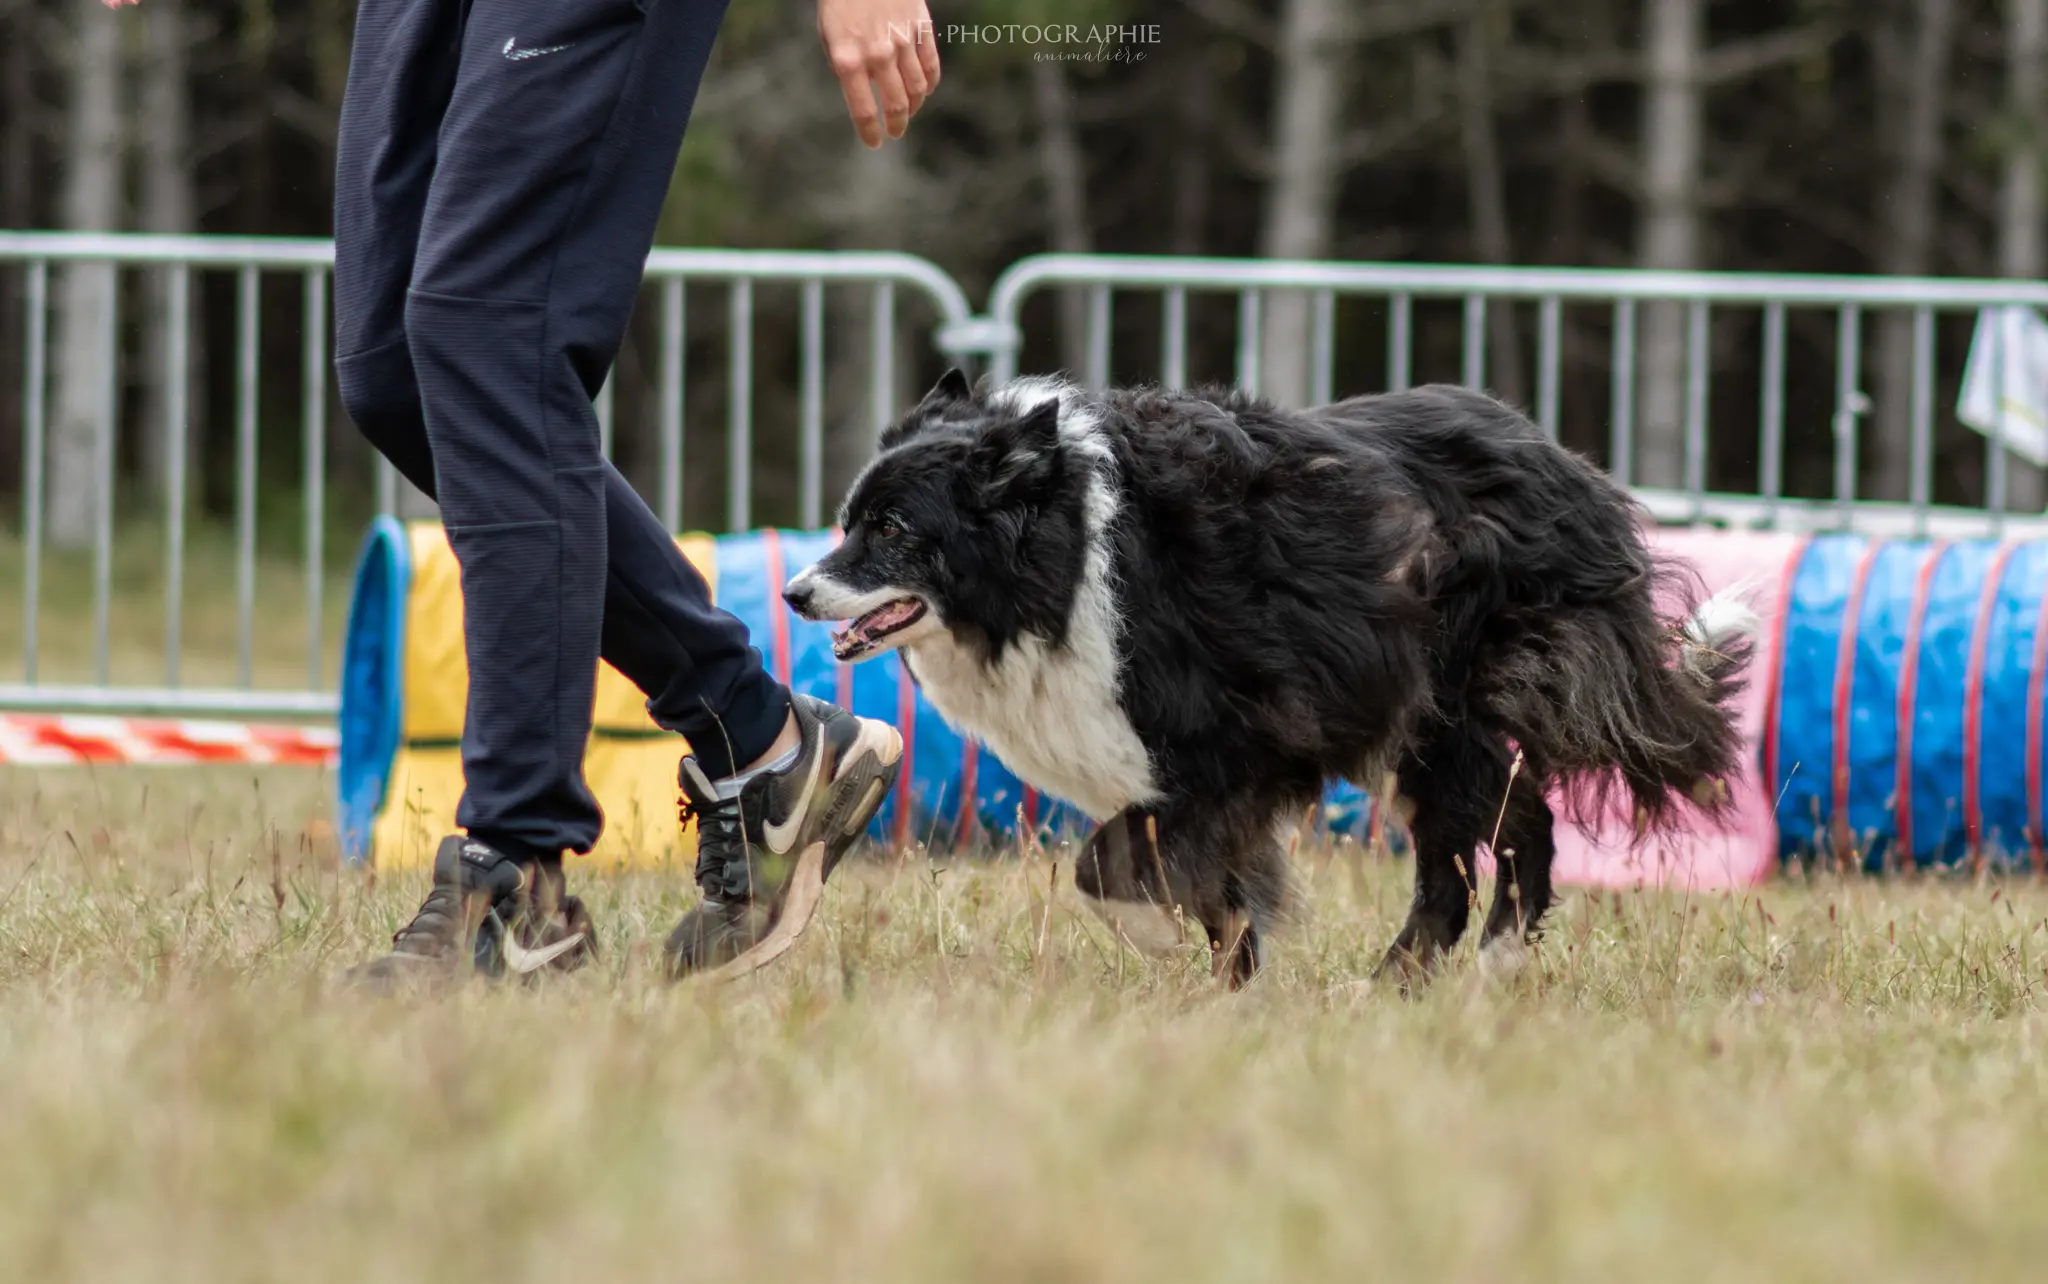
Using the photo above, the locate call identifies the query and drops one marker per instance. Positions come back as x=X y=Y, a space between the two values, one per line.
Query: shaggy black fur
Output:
x=1419 y=582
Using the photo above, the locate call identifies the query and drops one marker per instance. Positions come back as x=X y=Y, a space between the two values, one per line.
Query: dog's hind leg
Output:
x=1456 y=782
x=1521 y=893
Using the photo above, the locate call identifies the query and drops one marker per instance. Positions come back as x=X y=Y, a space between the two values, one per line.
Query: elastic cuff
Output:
x=727 y=741
x=514 y=849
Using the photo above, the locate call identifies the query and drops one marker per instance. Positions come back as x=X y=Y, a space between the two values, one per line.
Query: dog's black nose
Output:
x=798 y=595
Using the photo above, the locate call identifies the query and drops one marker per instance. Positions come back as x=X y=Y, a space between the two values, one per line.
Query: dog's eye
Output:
x=886 y=528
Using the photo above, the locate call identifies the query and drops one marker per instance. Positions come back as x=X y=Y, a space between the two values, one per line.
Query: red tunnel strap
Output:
x=1909 y=683
x=2037 y=674
x=1030 y=809
x=1845 y=681
x=778 y=611
x=970 y=767
x=1973 y=702
x=1774 y=679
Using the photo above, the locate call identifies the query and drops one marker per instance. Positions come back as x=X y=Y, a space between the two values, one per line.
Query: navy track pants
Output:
x=500 y=170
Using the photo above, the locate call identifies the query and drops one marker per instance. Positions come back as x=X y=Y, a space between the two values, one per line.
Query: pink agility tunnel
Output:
x=1894 y=712
x=1744 y=850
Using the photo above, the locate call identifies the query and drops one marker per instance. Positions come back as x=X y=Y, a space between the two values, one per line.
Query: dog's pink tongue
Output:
x=892 y=615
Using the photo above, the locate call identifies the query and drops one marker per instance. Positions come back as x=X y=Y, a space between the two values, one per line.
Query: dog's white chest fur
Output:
x=1051 y=713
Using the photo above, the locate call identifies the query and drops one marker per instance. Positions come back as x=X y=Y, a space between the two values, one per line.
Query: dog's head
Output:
x=969 y=520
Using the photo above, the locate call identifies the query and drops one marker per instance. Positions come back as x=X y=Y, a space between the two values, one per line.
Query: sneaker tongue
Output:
x=467 y=864
x=448 y=861
x=702 y=790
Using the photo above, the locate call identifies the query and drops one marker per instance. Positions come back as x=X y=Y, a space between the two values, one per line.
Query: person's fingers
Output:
x=852 y=70
x=911 y=69
x=887 y=73
x=928 y=59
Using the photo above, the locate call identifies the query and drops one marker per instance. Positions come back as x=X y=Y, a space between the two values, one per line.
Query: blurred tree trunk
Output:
x=1916 y=60
x=1194 y=103
x=351 y=460
x=872 y=210
x=17 y=209
x=1568 y=186
x=17 y=116
x=1301 y=198
x=1569 y=236
x=2020 y=206
x=91 y=202
x=164 y=137
x=1485 y=189
x=1063 y=169
x=1668 y=229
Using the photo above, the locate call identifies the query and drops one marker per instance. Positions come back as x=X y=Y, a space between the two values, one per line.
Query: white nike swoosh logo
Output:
x=520 y=55
x=522 y=960
x=782 y=837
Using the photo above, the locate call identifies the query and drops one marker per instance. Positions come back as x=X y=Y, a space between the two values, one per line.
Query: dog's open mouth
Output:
x=862 y=637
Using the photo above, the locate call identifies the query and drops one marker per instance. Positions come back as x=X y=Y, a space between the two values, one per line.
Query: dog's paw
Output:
x=1503 y=958
x=1406 y=970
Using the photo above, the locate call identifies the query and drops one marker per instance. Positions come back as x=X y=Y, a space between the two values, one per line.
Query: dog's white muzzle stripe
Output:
x=832 y=600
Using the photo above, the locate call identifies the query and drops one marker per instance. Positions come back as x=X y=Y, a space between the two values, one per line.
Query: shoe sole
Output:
x=393 y=973
x=863 y=780
x=411 y=976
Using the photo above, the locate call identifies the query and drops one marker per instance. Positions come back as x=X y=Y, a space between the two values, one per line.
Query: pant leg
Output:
x=502 y=333
x=694 y=662
x=701 y=674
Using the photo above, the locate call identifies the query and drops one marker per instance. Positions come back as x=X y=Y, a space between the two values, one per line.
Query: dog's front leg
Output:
x=1123 y=873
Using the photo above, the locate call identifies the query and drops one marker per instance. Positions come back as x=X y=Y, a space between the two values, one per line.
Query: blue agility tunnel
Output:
x=1905 y=727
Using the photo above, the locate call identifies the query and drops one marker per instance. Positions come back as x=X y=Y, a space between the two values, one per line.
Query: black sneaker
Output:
x=496 y=913
x=763 y=857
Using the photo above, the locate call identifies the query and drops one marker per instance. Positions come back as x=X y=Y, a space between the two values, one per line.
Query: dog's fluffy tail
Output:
x=1643 y=707
x=1715 y=644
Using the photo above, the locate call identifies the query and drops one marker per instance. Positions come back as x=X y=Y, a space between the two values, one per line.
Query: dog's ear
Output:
x=951 y=389
x=1017 y=455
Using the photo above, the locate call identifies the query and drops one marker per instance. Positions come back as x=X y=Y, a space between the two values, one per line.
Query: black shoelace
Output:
x=721 y=844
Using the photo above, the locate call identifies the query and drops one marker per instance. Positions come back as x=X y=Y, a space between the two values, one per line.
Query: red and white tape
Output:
x=40 y=740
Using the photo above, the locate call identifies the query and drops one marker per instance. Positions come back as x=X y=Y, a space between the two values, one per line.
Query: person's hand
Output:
x=885 y=49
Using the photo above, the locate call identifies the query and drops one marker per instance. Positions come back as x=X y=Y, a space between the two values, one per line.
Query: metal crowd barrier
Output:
x=1399 y=287
x=249 y=258
x=993 y=339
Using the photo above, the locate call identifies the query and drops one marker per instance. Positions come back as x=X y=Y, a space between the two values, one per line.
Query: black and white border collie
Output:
x=1186 y=612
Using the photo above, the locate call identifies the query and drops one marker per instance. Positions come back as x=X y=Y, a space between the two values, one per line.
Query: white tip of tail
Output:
x=1718 y=624
x=1724 y=617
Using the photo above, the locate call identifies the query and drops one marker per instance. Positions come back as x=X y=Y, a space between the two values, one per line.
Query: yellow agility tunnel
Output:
x=404 y=684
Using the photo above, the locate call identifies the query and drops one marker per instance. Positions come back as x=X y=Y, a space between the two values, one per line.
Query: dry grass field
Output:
x=957 y=1078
